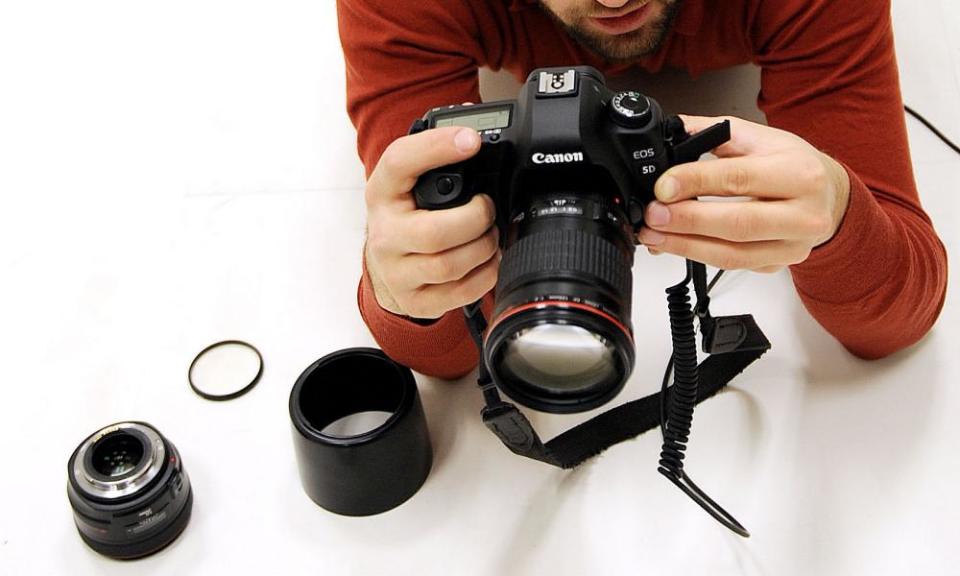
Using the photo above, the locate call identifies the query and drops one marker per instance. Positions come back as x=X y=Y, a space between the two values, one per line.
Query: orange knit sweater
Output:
x=829 y=75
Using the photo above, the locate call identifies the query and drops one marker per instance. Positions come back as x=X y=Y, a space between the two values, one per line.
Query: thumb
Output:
x=408 y=157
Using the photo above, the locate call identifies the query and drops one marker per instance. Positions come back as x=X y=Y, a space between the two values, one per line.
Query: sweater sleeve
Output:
x=395 y=72
x=829 y=75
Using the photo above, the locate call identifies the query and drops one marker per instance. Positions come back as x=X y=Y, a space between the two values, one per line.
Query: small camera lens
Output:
x=129 y=491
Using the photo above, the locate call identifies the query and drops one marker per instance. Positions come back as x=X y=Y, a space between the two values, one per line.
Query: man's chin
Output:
x=623 y=47
x=638 y=43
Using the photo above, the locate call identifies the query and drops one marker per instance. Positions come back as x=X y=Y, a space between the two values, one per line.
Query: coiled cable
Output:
x=676 y=419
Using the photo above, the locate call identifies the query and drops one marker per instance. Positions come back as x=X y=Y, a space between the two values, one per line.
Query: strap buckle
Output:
x=725 y=334
x=511 y=426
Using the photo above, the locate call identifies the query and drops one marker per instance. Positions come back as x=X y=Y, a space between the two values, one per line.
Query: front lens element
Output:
x=564 y=358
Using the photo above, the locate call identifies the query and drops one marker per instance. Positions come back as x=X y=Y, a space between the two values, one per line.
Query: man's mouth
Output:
x=624 y=22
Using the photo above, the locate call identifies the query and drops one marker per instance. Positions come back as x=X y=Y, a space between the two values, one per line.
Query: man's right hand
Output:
x=424 y=263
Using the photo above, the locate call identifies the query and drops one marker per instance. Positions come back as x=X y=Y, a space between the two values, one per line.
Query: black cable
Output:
x=713 y=282
x=932 y=128
x=675 y=421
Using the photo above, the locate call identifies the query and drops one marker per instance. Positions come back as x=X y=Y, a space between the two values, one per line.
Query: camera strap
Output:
x=733 y=343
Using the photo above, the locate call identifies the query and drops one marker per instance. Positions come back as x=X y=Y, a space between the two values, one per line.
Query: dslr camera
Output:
x=570 y=165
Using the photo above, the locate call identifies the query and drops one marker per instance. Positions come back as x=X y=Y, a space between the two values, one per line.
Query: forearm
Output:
x=879 y=285
x=443 y=348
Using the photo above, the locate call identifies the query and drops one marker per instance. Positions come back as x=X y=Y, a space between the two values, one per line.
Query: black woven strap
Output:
x=623 y=422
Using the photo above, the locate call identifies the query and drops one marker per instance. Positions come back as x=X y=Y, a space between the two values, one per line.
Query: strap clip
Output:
x=511 y=426
x=725 y=334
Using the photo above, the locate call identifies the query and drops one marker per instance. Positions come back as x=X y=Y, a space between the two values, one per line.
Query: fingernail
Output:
x=658 y=214
x=466 y=140
x=650 y=237
x=667 y=188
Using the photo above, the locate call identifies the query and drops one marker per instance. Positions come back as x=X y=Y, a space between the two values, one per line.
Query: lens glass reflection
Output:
x=559 y=357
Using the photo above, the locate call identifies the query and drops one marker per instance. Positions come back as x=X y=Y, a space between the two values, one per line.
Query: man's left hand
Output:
x=798 y=197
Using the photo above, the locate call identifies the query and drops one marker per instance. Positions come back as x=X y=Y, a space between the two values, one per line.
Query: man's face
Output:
x=615 y=29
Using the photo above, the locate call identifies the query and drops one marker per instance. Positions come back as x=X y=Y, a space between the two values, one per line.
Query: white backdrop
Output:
x=176 y=174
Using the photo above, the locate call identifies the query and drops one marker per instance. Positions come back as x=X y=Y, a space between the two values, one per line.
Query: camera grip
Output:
x=440 y=189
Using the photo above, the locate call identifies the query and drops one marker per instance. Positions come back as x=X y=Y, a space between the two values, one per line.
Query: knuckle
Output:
x=484 y=280
x=744 y=227
x=491 y=274
x=814 y=174
x=735 y=181
x=438 y=269
x=491 y=242
x=698 y=180
x=684 y=219
x=731 y=261
x=429 y=238
x=820 y=225
x=461 y=295
x=486 y=209
x=390 y=159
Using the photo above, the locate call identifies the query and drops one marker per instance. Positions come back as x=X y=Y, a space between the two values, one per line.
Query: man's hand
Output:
x=798 y=198
x=424 y=263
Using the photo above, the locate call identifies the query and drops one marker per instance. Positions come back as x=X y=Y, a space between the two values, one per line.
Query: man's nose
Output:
x=613 y=3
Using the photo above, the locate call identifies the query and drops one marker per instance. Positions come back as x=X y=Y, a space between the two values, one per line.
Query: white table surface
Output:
x=176 y=174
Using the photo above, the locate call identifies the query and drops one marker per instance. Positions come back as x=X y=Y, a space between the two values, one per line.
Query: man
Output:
x=835 y=198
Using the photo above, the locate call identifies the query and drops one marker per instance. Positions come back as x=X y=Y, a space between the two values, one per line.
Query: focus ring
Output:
x=566 y=250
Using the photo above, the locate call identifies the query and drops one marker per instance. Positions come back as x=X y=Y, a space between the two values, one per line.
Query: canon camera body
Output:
x=571 y=166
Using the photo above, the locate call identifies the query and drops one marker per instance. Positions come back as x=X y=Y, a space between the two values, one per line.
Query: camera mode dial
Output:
x=630 y=109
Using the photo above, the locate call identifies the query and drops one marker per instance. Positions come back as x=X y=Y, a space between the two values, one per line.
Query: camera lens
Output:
x=565 y=358
x=129 y=492
x=560 y=339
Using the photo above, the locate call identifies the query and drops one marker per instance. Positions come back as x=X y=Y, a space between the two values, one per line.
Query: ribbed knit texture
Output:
x=829 y=75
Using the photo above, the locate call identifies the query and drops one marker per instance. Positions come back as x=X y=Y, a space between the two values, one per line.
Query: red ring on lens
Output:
x=558 y=304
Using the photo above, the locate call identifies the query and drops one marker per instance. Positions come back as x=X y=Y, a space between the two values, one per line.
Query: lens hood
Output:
x=368 y=472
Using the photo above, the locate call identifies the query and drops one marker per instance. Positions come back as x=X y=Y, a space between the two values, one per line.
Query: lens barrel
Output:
x=561 y=340
x=129 y=492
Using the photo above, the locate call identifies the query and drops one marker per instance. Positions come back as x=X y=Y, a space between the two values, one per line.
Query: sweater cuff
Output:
x=442 y=348
x=855 y=262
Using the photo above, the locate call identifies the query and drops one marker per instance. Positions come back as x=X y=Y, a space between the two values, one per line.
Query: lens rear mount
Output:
x=106 y=448
x=130 y=494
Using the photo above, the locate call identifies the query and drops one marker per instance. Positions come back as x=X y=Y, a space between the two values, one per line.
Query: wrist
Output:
x=380 y=292
x=839 y=195
x=385 y=300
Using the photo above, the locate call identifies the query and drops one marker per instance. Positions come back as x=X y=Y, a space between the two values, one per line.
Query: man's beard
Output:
x=617 y=48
